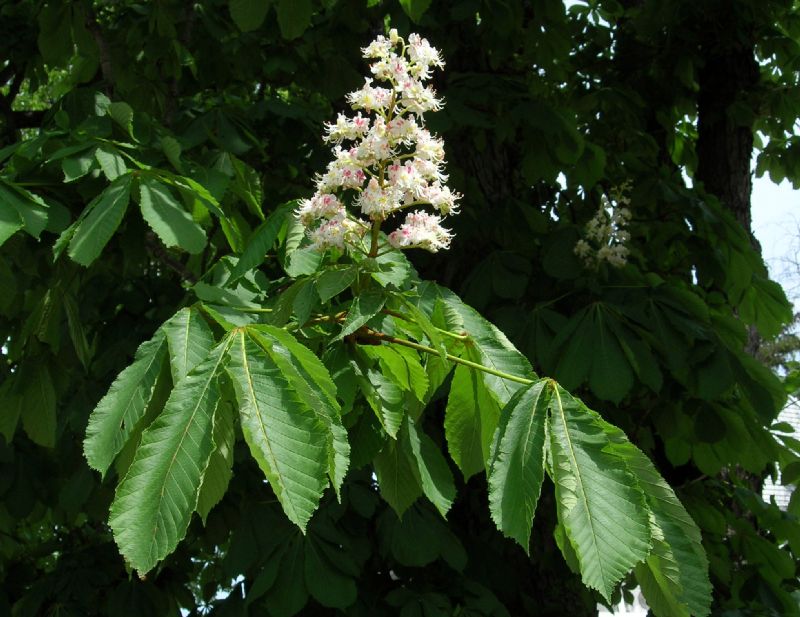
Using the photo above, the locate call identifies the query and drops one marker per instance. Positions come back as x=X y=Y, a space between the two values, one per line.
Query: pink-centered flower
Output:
x=336 y=232
x=319 y=206
x=421 y=230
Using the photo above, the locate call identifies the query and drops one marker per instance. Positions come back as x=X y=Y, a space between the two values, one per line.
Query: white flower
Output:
x=391 y=68
x=335 y=232
x=406 y=178
x=369 y=98
x=346 y=128
x=418 y=99
x=379 y=48
x=441 y=198
x=378 y=202
x=402 y=130
x=429 y=170
x=319 y=206
x=428 y=148
x=421 y=53
x=421 y=230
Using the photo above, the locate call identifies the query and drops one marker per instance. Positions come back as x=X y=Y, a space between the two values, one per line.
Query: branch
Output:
x=105 y=57
x=25 y=119
x=160 y=252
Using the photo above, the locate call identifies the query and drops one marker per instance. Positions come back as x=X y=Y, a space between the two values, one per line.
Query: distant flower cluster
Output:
x=385 y=159
x=606 y=234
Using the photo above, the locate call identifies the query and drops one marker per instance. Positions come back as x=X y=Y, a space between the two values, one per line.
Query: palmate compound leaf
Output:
x=516 y=465
x=155 y=500
x=119 y=411
x=600 y=504
x=286 y=437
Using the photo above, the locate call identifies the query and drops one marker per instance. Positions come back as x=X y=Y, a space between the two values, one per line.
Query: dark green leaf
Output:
x=155 y=500
x=294 y=16
x=516 y=465
x=248 y=15
x=285 y=436
x=119 y=412
x=432 y=470
x=104 y=216
x=470 y=421
x=600 y=504
x=166 y=216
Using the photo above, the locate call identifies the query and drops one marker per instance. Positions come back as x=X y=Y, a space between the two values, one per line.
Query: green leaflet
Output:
x=415 y=9
x=260 y=242
x=600 y=504
x=167 y=217
x=313 y=384
x=112 y=164
x=516 y=466
x=10 y=221
x=331 y=570
x=219 y=471
x=422 y=320
x=674 y=577
x=382 y=394
x=155 y=500
x=31 y=208
x=286 y=437
x=430 y=466
x=470 y=420
x=323 y=564
x=105 y=214
x=289 y=594
x=294 y=16
x=419 y=538
x=78 y=165
x=334 y=281
x=393 y=269
x=397 y=477
x=189 y=338
x=324 y=577
x=38 y=404
x=402 y=365
x=119 y=411
x=248 y=14
x=494 y=349
x=365 y=306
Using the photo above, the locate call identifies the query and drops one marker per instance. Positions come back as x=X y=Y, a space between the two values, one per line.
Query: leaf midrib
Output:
x=580 y=482
x=263 y=429
x=212 y=375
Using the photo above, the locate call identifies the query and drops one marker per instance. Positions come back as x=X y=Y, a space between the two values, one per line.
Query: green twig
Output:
x=380 y=336
x=455 y=335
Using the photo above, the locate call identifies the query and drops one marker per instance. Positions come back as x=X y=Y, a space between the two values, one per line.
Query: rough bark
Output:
x=724 y=149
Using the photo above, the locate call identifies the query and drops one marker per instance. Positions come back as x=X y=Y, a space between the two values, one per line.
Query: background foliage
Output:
x=218 y=105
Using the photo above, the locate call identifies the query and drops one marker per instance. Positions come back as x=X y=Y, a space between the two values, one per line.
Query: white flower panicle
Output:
x=606 y=234
x=385 y=160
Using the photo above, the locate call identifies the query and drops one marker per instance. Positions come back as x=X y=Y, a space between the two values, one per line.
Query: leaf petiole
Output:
x=380 y=336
